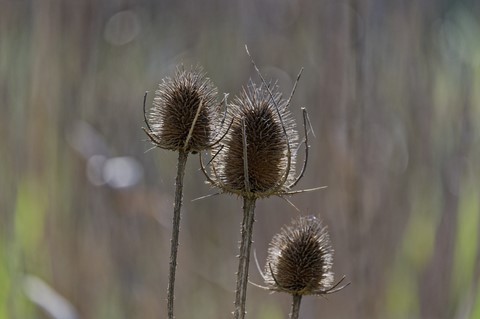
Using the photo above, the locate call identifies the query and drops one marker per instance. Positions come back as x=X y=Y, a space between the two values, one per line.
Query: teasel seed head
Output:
x=264 y=122
x=175 y=121
x=300 y=259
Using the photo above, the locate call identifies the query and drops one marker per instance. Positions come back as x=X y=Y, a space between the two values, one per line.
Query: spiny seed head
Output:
x=300 y=259
x=271 y=143
x=175 y=107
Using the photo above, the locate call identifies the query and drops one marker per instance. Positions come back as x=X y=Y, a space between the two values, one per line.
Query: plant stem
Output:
x=182 y=161
x=297 y=299
x=244 y=257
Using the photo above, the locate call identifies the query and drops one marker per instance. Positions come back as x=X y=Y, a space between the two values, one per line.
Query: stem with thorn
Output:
x=182 y=161
x=297 y=299
x=244 y=257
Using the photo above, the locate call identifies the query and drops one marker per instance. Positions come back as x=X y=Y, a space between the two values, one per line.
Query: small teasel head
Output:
x=262 y=132
x=300 y=259
x=184 y=113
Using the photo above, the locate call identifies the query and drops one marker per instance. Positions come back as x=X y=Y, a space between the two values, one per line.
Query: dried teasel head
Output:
x=256 y=157
x=184 y=113
x=300 y=259
x=263 y=132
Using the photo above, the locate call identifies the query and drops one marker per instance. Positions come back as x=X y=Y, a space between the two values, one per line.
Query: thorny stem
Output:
x=297 y=299
x=244 y=257
x=182 y=161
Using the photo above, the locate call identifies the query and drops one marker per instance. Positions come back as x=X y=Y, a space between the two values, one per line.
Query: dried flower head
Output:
x=260 y=120
x=184 y=112
x=182 y=119
x=300 y=259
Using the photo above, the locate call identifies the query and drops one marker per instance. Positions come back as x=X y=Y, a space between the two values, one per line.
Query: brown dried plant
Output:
x=256 y=159
x=270 y=161
x=184 y=113
x=184 y=118
x=300 y=260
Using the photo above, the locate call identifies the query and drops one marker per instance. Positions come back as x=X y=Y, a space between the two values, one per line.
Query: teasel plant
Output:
x=300 y=261
x=255 y=160
x=186 y=118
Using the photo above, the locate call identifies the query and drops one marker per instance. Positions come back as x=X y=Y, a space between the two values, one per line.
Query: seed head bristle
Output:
x=267 y=144
x=300 y=259
x=175 y=107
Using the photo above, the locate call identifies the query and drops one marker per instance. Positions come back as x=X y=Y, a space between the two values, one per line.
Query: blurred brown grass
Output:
x=392 y=92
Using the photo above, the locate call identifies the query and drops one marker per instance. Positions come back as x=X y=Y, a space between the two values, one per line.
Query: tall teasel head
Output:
x=262 y=132
x=300 y=259
x=184 y=113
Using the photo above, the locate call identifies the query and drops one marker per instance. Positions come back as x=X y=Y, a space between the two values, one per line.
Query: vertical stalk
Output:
x=297 y=299
x=244 y=257
x=182 y=161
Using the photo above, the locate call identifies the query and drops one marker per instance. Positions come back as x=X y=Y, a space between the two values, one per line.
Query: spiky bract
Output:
x=300 y=259
x=269 y=130
x=174 y=109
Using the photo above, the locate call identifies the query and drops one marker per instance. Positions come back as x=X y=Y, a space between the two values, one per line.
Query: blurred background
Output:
x=392 y=89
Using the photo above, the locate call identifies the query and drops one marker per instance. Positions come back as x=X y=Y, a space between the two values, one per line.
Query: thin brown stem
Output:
x=182 y=161
x=244 y=257
x=297 y=299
